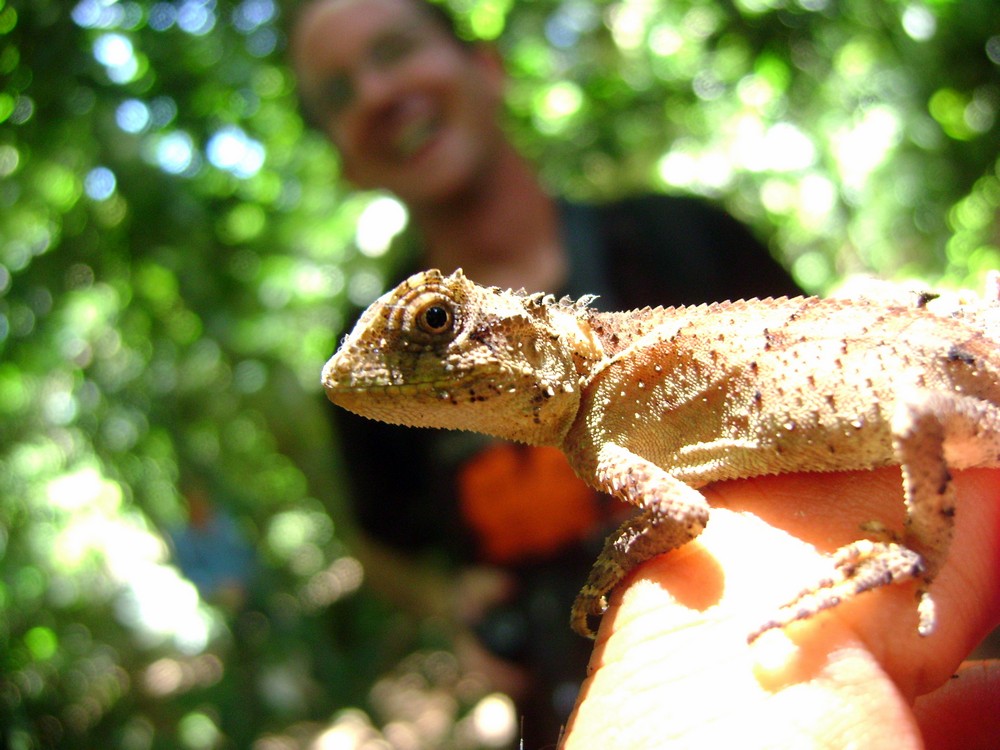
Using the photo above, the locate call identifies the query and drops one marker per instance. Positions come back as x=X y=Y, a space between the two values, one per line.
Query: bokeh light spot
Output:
x=99 y=184
x=132 y=116
x=234 y=151
x=380 y=221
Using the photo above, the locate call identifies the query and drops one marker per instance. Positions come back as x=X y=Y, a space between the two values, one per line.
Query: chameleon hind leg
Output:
x=671 y=514
x=931 y=431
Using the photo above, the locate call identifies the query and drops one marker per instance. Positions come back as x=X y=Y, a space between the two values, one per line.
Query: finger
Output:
x=672 y=660
x=672 y=663
x=964 y=713
x=826 y=510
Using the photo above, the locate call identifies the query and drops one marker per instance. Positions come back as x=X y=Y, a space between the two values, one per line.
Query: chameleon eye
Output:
x=435 y=318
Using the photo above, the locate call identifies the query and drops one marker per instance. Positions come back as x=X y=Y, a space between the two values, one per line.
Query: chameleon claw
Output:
x=862 y=566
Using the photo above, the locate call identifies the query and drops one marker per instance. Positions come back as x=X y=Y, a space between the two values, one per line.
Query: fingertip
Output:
x=964 y=713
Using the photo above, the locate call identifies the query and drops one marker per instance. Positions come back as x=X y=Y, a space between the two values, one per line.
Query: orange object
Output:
x=525 y=501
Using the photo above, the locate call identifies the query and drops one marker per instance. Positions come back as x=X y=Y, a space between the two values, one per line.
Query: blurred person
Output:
x=493 y=538
x=209 y=547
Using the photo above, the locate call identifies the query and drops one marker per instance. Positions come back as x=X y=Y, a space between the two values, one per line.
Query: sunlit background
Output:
x=176 y=256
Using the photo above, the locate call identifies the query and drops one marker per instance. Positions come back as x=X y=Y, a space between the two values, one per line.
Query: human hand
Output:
x=672 y=667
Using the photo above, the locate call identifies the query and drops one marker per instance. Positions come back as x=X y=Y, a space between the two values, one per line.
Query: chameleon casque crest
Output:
x=651 y=404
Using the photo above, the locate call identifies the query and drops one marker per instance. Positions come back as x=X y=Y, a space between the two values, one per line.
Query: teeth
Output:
x=412 y=137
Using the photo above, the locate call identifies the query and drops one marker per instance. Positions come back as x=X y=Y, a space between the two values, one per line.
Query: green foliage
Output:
x=846 y=129
x=173 y=249
x=177 y=253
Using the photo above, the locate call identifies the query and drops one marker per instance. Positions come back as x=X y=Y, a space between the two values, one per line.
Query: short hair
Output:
x=436 y=9
x=443 y=17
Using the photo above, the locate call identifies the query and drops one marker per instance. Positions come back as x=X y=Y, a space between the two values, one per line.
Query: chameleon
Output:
x=651 y=405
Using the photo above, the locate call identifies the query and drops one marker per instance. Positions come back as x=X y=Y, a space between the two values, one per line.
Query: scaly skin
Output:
x=652 y=404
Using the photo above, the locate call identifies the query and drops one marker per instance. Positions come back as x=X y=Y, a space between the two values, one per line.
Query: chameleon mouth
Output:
x=338 y=393
x=415 y=404
x=345 y=386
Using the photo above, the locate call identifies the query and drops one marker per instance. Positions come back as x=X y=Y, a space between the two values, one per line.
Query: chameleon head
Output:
x=442 y=351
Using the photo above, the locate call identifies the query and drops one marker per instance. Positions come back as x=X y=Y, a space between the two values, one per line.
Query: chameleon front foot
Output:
x=862 y=566
x=587 y=608
x=592 y=601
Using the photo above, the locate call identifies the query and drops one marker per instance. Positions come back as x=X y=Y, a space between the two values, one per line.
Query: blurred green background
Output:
x=177 y=251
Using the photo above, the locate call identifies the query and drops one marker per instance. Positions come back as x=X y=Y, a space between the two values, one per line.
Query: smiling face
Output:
x=410 y=108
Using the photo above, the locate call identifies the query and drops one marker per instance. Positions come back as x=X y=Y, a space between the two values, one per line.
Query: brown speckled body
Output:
x=755 y=387
x=651 y=404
